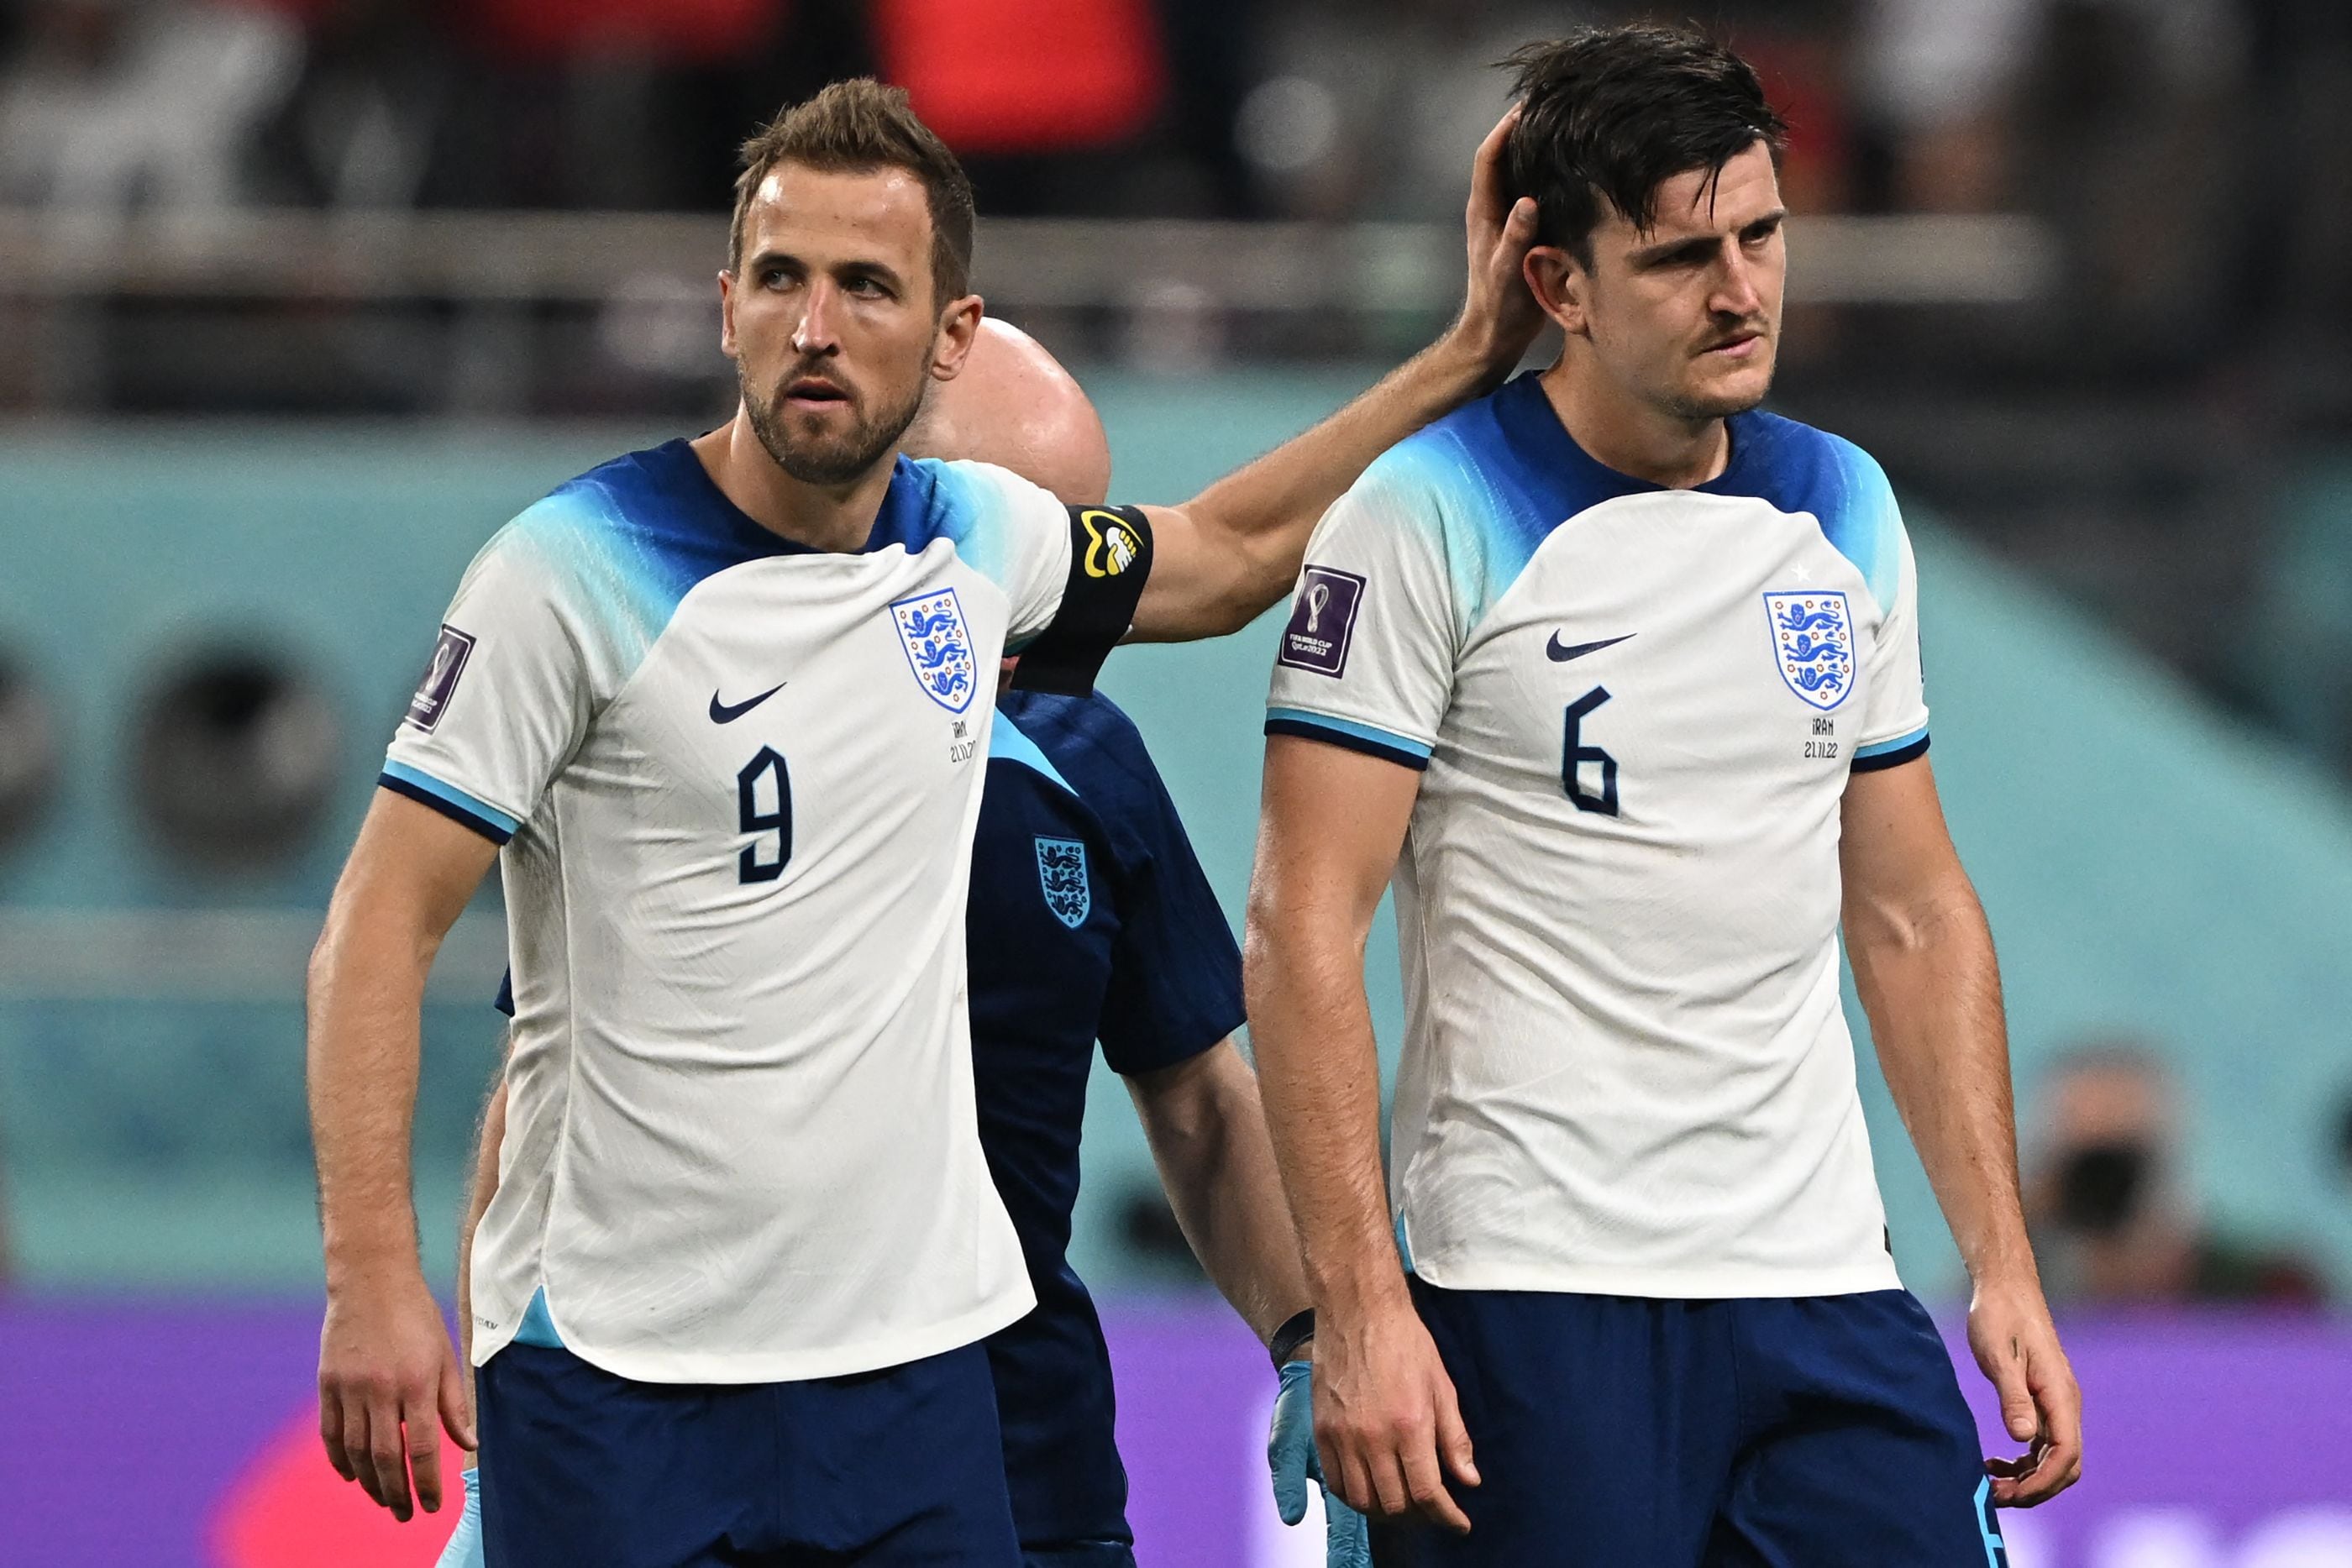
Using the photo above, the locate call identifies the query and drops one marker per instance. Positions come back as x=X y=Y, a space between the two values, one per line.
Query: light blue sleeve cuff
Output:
x=449 y=800
x=1890 y=752
x=1373 y=741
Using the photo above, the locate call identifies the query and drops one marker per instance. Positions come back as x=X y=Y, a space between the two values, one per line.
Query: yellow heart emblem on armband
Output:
x=1111 y=543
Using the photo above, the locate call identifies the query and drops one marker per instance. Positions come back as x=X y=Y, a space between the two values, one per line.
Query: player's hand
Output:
x=1290 y=1452
x=388 y=1384
x=1386 y=1420
x=1499 y=319
x=465 y=1548
x=2017 y=1345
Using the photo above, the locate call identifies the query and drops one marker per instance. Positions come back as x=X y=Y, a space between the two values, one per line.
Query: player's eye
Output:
x=868 y=288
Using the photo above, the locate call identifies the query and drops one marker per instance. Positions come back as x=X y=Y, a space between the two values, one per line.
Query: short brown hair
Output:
x=857 y=126
x=1607 y=115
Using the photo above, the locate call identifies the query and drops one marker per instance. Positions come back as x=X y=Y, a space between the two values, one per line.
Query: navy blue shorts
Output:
x=1617 y=1432
x=896 y=1468
x=1081 y=1555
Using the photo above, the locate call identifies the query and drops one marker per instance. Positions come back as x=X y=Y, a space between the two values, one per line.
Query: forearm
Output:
x=481 y=1186
x=1207 y=1130
x=1258 y=517
x=1319 y=1072
x=1931 y=986
x=366 y=993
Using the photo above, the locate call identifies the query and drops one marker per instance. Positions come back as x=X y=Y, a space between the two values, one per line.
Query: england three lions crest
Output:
x=938 y=647
x=1062 y=873
x=1813 y=638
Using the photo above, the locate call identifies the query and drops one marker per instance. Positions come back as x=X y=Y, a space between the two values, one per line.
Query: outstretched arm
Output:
x=387 y=1379
x=1386 y=1418
x=1923 y=960
x=1224 y=556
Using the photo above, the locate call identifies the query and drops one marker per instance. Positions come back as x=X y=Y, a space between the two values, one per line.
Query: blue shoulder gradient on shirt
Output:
x=1494 y=478
x=1176 y=971
x=646 y=528
x=1507 y=473
x=963 y=504
x=635 y=535
x=630 y=538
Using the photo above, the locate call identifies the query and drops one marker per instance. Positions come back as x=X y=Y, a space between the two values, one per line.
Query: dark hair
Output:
x=856 y=126
x=1612 y=113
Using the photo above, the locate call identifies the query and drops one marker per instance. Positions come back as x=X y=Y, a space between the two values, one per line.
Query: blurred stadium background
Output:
x=301 y=299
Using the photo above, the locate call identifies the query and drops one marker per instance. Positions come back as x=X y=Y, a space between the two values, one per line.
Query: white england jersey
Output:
x=1625 y=1068
x=737 y=781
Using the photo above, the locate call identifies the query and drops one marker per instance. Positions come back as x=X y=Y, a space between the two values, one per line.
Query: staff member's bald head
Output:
x=1013 y=404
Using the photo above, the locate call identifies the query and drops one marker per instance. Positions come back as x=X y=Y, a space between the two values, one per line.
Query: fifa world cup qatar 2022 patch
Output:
x=1322 y=621
x=440 y=683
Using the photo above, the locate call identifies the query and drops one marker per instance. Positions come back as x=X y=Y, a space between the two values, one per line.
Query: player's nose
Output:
x=1735 y=290
x=815 y=334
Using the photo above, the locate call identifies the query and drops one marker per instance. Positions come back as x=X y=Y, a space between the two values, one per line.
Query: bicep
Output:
x=1179 y=1103
x=1895 y=852
x=410 y=874
x=1331 y=826
x=1190 y=578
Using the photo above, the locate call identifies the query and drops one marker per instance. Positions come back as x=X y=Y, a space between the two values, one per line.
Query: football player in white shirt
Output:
x=725 y=705
x=1618 y=679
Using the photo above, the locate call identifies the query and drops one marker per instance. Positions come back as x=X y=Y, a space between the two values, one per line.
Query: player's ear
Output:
x=1558 y=281
x=959 y=326
x=727 y=311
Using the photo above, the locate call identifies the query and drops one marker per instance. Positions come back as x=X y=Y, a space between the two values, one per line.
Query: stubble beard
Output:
x=1696 y=407
x=825 y=460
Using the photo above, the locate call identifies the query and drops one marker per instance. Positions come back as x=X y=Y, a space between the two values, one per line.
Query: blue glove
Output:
x=465 y=1548
x=1290 y=1452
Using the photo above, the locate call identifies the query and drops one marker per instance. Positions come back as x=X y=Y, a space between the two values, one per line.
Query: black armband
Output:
x=1296 y=1331
x=1110 y=557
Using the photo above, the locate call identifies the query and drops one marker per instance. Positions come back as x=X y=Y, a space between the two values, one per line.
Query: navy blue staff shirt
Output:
x=1089 y=920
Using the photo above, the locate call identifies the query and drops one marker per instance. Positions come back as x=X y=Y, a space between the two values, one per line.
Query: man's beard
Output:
x=824 y=459
x=1696 y=408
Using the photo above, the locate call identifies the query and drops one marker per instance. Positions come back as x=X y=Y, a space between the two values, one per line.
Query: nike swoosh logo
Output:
x=1561 y=655
x=728 y=713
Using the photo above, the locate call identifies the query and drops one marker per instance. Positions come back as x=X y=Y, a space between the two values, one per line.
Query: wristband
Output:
x=1296 y=1331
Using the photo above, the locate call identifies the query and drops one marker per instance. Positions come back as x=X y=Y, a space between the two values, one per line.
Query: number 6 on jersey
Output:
x=1575 y=757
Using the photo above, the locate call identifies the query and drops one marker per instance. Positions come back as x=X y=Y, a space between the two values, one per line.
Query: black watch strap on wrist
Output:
x=1296 y=1331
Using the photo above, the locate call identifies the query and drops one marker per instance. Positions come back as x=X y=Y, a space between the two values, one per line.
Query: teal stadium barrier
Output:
x=2148 y=868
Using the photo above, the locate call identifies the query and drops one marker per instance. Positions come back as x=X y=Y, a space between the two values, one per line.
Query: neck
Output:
x=833 y=517
x=1634 y=437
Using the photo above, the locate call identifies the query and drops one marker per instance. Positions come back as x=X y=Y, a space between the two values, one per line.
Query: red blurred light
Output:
x=1023 y=76
x=289 y=1509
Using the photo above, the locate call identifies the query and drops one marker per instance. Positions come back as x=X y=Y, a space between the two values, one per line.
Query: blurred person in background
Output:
x=1633 y=1301
x=1089 y=919
x=764 y=1183
x=116 y=104
x=2114 y=1221
x=1947 y=76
